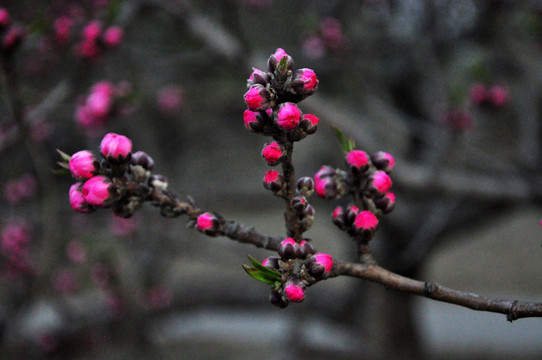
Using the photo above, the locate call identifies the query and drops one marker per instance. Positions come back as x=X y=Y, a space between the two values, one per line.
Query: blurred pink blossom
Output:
x=170 y=99
x=122 y=227
x=20 y=189
x=76 y=252
x=65 y=281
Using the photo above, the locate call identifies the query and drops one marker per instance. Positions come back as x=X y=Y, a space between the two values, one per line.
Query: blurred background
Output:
x=452 y=89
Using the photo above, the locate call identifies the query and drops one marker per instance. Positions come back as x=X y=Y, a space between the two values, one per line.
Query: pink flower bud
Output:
x=12 y=39
x=320 y=264
x=299 y=204
x=93 y=30
x=141 y=158
x=114 y=146
x=309 y=123
x=288 y=249
x=305 y=186
x=383 y=161
x=5 y=19
x=366 y=222
x=83 y=165
x=274 y=181
x=277 y=298
x=478 y=94
x=323 y=172
x=304 y=83
x=208 y=223
x=258 y=77
x=62 y=26
x=280 y=61
x=308 y=76
x=386 y=203
x=350 y=214
x=77 y=200
x=112 y=37
x=271 y=262
x=498 y=96
x=288 y=116
x=273 y=153
x=326 y=187
x=357 y=160
x=97 y=190
x=294 y=290
x=256 y=120
x=338 y=217
x=257 y=98
x=379 y=183
x=305 y=249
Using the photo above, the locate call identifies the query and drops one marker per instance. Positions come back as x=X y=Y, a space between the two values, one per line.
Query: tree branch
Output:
x=513 y=309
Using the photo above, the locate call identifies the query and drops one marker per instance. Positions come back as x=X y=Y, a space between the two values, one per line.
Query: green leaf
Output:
x=346 y=144
x=258 y=275
x=61 y=172
x=65 y=157
x=272 y=274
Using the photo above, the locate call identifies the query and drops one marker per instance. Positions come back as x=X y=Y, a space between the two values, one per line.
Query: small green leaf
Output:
x=65 y=157
x=346 y=144
x=258 y=275
x=272 y=274
x=61 y=172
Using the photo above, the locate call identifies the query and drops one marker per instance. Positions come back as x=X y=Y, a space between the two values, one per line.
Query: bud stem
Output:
x=293 y=225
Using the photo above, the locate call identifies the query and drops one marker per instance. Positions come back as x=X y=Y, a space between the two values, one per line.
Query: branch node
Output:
x=513 y=311
x=428 y=289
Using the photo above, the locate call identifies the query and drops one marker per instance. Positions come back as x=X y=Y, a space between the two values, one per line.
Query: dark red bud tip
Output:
x=299 y=204
x=278 y=299
x=305 y=186
x=309 y=123
x=383 y=161
x=305 y=249
x=274 y=181
x=338 y=217
x=271 y=262
x=386 y=203
x=288 y=249
x=142 y=159
x=258 y=77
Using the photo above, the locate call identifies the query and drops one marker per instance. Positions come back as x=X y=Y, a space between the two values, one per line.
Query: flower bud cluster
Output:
x=495 y=96
x=300 y=266
x=95 y=40
x=271 y=100
x=11 y=35
x=104 y=181
x=272 y=96
x=368 y=179
x=94 y=109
